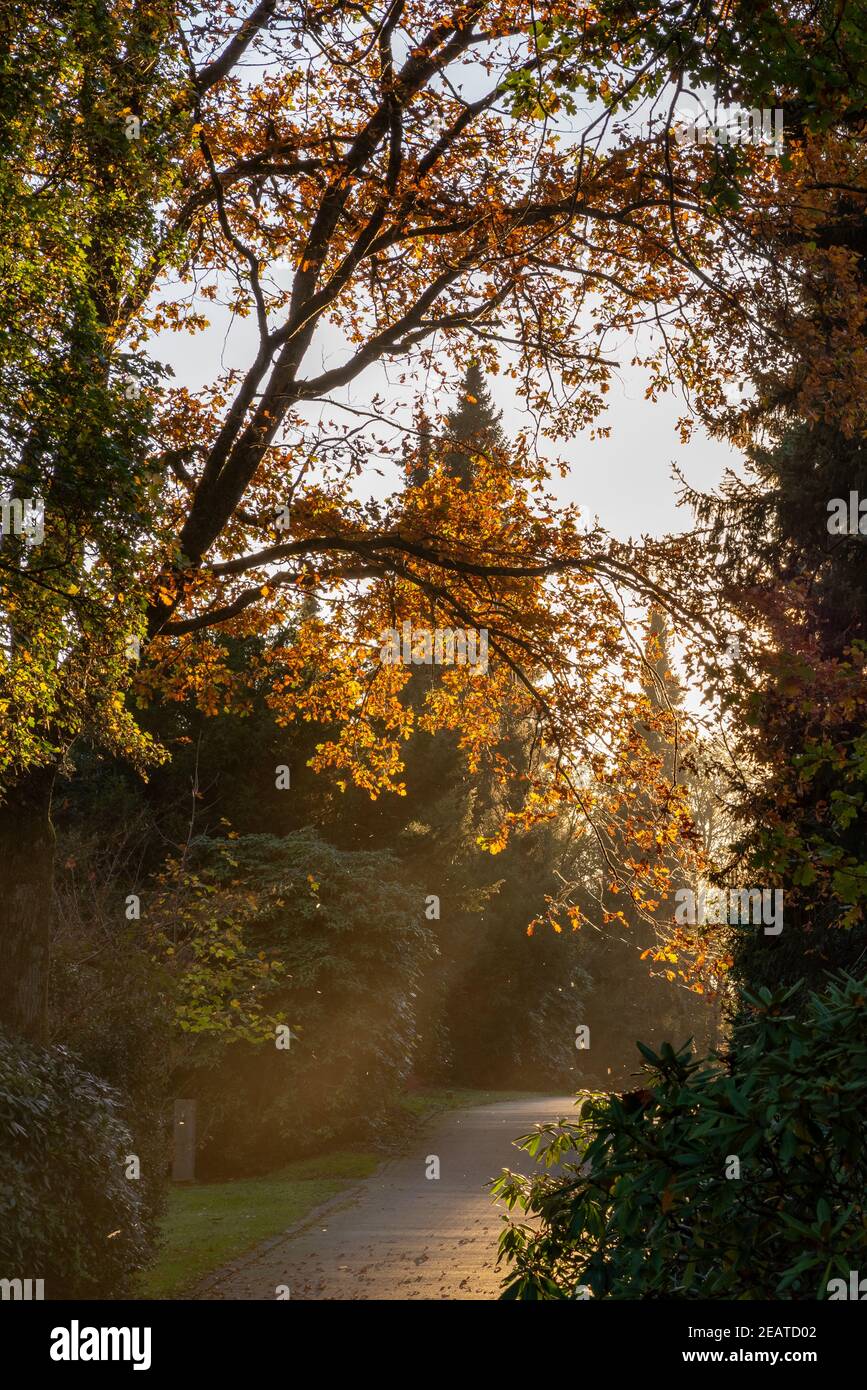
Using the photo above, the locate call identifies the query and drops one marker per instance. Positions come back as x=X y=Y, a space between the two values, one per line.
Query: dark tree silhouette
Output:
x=472 y=426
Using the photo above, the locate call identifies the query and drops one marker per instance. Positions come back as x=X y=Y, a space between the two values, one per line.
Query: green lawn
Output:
x=208 y=1224
x=435 y=1099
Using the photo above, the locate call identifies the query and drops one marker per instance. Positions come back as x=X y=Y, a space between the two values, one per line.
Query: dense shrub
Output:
x=351 y=939
x=109 y=999
x=68 y=1212
x=646 y=1204
x=112 y=1013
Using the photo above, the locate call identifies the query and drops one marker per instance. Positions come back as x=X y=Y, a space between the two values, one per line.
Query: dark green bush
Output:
x=68 y=1213
x=109 y=1007
x=352 y=939
x=642 y=1207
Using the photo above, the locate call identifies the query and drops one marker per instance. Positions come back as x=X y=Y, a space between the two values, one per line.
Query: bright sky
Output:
x=625 y=479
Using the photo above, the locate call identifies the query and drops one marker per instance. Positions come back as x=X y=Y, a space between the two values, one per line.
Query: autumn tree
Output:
x=388 y=177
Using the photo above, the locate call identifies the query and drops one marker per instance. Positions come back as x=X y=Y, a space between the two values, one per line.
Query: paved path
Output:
x=400 y=1235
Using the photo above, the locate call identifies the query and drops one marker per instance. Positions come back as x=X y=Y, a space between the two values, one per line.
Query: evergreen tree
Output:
x=798 y=697
x=472 y=426
x=418 y=449
x=630 y=1002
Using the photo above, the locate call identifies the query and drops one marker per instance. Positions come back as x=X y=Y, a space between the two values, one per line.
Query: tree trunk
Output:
x=26 y=882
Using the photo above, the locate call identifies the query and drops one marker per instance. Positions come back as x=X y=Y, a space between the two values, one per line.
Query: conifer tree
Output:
x=419 y=448
x=634 y=1000
x=472 y=426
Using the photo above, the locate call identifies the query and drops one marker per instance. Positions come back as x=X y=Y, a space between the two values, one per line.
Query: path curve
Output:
x=400 y=1234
